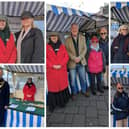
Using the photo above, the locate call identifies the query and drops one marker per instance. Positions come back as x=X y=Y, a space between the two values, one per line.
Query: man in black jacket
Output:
x=4 y=98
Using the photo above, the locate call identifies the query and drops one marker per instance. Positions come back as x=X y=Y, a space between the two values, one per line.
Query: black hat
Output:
x=27 y=14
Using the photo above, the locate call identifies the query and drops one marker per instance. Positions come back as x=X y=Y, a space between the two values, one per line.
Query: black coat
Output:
x=120 y=105
x=32 y=47
x=4 y=95
x=119 y=49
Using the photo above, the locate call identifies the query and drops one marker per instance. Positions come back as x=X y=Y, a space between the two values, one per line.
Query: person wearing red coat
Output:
x=29 y=90
x=8 y=52
x=57 y=78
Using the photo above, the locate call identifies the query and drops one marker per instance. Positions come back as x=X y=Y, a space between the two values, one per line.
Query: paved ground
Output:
x=83 y=112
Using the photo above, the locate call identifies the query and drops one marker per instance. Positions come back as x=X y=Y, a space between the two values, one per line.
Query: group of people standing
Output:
x=74 y=57
x=25 y=46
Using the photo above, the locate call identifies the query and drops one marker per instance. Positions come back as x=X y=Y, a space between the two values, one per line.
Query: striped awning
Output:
x=96 y=22
x=14 y=9
x=121 y=76
x=25 y=68
x=120 y=11
x=59 y=19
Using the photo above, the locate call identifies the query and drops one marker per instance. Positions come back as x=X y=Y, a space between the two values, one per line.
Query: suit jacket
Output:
x=32 y=47
x=72 y=52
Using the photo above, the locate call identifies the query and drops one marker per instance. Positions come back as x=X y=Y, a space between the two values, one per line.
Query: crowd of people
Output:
x=25 y=46
x=76 y=56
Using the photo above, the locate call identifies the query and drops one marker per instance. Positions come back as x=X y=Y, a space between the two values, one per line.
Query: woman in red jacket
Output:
x=8 y=52
x=29 y=90
x=96 y=64
x=57 y=78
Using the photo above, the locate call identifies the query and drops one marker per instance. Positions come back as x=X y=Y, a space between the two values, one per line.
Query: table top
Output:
x=23 y=105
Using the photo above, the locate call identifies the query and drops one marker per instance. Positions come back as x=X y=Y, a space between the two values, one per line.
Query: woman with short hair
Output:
x=120 y=46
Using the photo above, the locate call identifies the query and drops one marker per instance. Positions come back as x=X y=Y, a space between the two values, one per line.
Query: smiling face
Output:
x=74 y=30
x=103 y=33
x=54 y=38
x=27 y=22
x=2 y=24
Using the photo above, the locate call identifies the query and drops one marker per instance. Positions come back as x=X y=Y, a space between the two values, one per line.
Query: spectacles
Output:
x=103 y=33
x=120 y=88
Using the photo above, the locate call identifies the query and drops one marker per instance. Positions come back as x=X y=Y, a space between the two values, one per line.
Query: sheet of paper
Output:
x=13 y=106
x=32 y=109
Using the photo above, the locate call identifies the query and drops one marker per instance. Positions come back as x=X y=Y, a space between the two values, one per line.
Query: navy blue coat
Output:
x=104 y=45
x=120 y=105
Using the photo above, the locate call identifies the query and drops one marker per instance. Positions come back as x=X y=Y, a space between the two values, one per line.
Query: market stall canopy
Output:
x=59 y=19
x=120 y=11
x=25 y=68
x=96 y=22
x=14 y=10
x=121 y=76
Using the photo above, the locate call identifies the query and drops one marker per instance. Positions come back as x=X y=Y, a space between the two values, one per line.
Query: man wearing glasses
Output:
x=104 y=45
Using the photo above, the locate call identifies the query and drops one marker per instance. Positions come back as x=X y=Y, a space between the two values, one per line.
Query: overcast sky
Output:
x=90 y=6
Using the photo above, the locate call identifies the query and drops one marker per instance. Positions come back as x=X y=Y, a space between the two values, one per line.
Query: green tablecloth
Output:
x=22 y=105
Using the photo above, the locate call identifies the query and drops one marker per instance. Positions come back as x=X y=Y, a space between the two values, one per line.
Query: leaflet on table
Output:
x=13 y=106
x=32 y=109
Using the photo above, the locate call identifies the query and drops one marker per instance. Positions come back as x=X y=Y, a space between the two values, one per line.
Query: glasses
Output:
x=103 y=33
x=120 y=88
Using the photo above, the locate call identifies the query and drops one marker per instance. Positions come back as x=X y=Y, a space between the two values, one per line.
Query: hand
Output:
x=56 y=66
x=29 y=95
x=5 y=107
x=77 y=59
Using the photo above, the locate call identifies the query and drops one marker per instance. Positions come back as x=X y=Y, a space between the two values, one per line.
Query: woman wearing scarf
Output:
x=57 y=78
x=96 y=65
x=29 y=41
x=120 y=46
x=29 y=90
x=7 y=43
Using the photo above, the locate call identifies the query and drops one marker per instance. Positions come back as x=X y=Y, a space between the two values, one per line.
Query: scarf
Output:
x=95 y=48
x=19 y=42
x=5 y=34
x=55 y=46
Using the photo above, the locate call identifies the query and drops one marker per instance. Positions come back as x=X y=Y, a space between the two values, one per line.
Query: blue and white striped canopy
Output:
x=120 y=11
x=121 y=76
x=14 y=9
x=25 y=68
x=59 y=19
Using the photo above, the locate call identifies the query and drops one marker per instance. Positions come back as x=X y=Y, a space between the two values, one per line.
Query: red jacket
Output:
x=29 y=91
x=57 y=80
x=8 y=53
x=95 y=61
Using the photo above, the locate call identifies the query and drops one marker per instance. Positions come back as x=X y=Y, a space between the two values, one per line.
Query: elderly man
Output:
x=4 y=98
x=104 y=45
x=76 y=48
